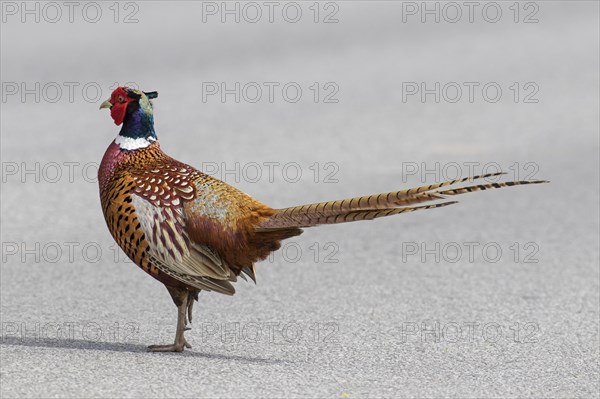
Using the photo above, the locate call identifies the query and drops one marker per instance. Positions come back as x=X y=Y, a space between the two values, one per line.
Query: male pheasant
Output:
x=193 y=232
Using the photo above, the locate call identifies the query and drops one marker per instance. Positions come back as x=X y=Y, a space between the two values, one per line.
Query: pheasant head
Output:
x=133 y=109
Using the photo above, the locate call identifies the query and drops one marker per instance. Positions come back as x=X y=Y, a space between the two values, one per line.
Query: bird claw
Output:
x=166 y=348
x=174 y=347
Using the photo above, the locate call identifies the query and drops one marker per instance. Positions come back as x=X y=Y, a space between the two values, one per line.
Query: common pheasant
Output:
x=193 y=232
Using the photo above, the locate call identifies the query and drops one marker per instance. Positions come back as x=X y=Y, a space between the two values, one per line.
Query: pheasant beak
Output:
x=106 y=104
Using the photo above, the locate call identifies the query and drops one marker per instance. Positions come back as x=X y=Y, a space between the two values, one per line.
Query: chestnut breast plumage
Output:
x=174 y=221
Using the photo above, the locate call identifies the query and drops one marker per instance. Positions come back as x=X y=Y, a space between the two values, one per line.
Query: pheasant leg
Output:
x=180 y=342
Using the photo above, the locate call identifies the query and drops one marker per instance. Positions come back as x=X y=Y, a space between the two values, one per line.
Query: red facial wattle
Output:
x=119 y=100
x=117 y=112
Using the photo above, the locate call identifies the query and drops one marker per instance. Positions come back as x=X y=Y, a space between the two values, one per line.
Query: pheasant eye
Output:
x=121 y=99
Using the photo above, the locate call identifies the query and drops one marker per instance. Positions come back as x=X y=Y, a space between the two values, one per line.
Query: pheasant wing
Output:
x=158 y=203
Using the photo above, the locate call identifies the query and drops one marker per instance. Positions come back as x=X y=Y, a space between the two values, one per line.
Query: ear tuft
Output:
x=132 y=94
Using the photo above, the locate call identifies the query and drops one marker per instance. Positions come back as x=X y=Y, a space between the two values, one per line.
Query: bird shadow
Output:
x=126 y=347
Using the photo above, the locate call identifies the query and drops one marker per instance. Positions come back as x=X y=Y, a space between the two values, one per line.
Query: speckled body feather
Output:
x=165 y=214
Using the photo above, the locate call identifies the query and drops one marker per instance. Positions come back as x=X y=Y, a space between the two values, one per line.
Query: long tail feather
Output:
x=376 y=201
x=354 y=216
x=377 y=205
x=490 y=186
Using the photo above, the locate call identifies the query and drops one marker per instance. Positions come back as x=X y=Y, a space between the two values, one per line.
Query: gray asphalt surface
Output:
x=356 y=310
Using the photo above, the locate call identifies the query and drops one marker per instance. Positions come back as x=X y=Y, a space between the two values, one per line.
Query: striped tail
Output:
x=378 y=205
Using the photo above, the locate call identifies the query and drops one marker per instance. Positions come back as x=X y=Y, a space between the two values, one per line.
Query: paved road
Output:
x=497 y=296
